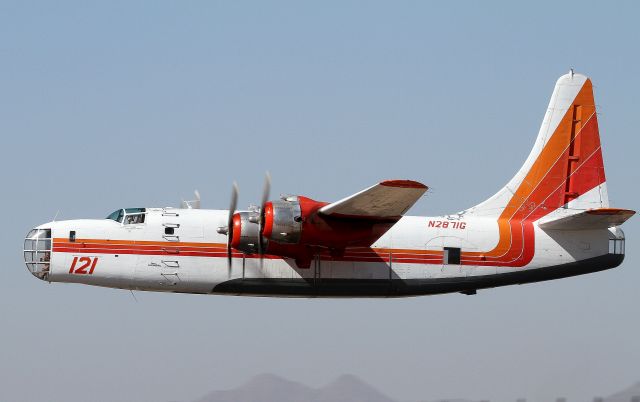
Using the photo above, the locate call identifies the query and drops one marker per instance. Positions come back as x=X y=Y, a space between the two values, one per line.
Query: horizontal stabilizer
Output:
x=388 y=200
x=600 y=218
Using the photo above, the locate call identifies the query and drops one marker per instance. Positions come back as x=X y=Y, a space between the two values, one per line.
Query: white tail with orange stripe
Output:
x=566 y=152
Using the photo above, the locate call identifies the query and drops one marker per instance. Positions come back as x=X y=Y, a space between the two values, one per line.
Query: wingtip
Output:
x=403 y=184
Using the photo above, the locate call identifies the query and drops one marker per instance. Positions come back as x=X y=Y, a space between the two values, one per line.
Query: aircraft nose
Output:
x=37 y=252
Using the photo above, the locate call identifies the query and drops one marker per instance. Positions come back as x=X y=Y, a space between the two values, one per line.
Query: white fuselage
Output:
x=194 y=260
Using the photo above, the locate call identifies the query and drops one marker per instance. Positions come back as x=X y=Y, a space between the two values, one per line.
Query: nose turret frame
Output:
x=37 y=252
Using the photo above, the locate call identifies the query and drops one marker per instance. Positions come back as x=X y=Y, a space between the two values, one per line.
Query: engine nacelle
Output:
x=283 y=220
x=292 y=227
x=246 y=232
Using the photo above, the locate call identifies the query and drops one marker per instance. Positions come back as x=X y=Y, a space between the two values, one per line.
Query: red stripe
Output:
x=403 y=184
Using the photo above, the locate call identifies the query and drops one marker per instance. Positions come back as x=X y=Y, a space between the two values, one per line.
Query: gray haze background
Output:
x=125 y=104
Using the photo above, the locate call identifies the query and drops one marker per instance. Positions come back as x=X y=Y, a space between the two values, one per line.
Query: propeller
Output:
x=266 y=189
x=232 y=210
x=259 y=219
x=191 y=204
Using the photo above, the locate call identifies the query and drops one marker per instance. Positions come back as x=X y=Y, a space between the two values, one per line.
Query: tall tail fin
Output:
x=565 y=167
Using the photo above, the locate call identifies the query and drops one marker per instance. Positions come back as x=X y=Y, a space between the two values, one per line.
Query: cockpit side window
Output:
x=135 y=210
x=134 y=216
x=116 y=215
x=128 y=216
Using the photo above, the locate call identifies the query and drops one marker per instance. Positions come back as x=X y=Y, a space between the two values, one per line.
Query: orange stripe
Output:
x=137 y=242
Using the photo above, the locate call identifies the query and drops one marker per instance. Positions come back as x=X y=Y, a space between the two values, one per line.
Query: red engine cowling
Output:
x=245 y=233
x=292 y=227
x=295 y=229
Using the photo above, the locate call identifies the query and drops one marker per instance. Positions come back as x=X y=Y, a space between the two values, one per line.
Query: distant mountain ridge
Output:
x=346 y=388
x=625 y=395
x=271 y=388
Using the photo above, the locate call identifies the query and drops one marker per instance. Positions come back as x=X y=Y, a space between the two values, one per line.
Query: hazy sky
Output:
x=126 y=104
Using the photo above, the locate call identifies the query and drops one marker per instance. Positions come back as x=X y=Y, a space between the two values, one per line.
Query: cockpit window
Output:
x=116 y=215
x=128 y=216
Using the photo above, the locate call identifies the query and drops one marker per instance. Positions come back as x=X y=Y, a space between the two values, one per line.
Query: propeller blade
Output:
x=234 y=203
x=197 y=203
x=191 y=204
x=232 y=210
x=266 y=189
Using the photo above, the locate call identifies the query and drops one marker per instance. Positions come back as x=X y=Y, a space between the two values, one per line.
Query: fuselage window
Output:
x=451 y=255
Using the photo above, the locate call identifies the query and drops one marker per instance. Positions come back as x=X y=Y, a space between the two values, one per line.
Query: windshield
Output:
x=116 y=215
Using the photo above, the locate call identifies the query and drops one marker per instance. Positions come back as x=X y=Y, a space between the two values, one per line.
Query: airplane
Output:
x=551 y=220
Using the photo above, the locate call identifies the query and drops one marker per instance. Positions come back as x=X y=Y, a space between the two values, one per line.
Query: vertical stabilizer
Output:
x=565 y=169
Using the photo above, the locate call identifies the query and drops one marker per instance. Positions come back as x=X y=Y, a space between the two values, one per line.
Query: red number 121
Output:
x=85 y=262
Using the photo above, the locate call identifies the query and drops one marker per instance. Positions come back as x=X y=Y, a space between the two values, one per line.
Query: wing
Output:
x=388 y=200
x=601 y=218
